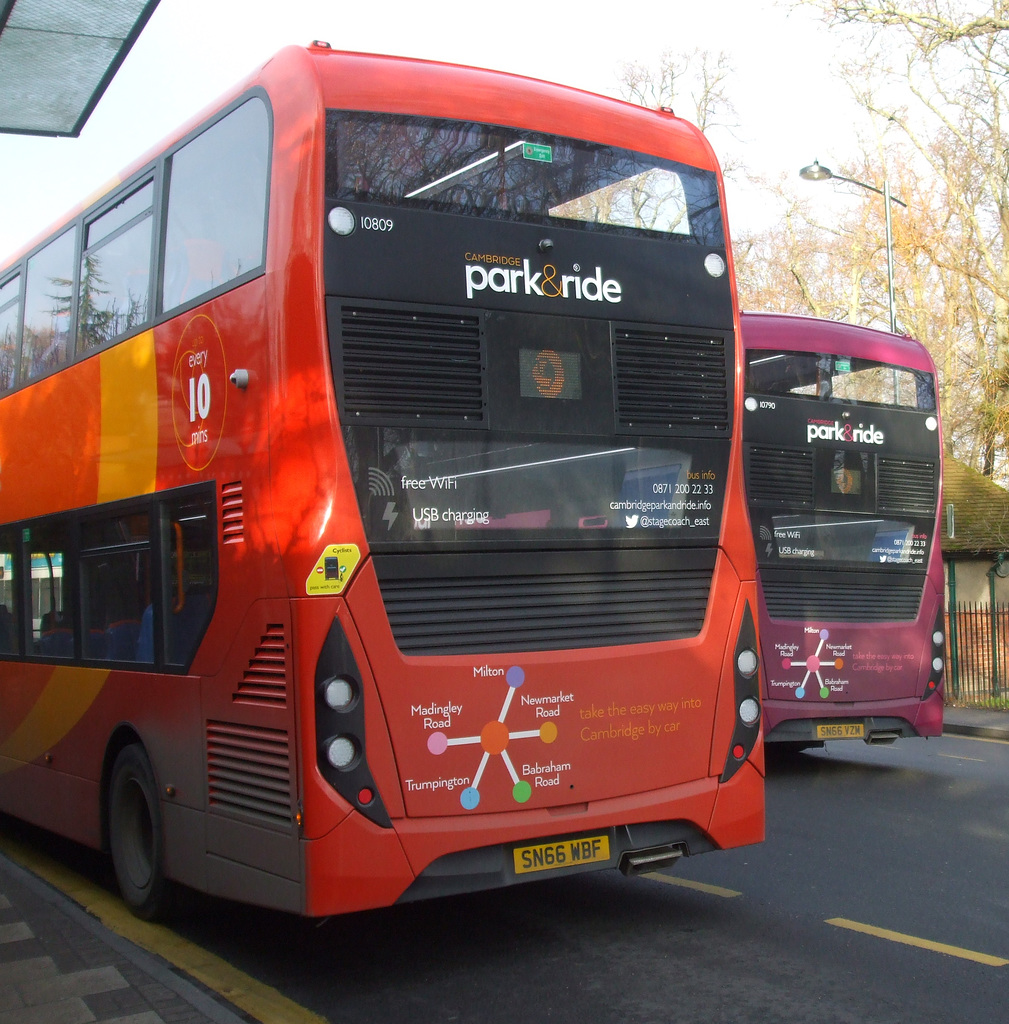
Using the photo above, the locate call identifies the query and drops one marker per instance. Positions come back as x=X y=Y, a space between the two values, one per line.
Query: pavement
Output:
x=61 y=965
x=980 y=723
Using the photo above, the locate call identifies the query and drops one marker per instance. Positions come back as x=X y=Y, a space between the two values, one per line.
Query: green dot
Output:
x=522 y=792
x=824 y=692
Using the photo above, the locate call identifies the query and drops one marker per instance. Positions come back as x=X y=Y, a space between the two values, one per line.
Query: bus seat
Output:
x=95 y=643
x=121 y=639
x=57 y=643
x=186 y=627
x=145 y=638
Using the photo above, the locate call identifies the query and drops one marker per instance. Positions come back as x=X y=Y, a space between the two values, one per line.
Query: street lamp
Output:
x=817 y=172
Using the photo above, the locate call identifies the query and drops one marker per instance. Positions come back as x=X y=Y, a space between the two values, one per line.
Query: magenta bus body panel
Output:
x=843 y=456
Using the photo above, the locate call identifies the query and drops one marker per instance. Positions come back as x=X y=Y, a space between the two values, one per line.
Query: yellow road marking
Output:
x=912 y=940
x=977 y=739
x=689 y=883
x=258 y=1000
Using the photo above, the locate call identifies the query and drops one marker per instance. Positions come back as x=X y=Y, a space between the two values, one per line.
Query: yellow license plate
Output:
x=566 y=854
x=841 y=731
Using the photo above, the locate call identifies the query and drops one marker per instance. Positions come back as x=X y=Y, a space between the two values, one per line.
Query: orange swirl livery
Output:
x=64 y=699
x=372 y=522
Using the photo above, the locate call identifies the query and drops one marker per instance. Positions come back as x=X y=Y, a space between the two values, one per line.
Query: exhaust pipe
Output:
x=882 y=738
x=637 y=862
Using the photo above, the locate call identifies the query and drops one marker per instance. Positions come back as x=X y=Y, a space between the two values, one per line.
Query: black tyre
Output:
x=136 y=836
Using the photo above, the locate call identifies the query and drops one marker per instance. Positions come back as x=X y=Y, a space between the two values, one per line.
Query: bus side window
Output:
x=116 y=270
x=9 y=334
x=49 y=290
x=52 y=597
x=9 y=597
x=217 y=198
x=115 y=586
x=190 y=576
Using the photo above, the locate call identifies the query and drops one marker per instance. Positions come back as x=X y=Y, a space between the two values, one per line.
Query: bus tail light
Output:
x=938 y=666
x=340 y=728
x=747 y=692
x=342 y=752
x=749 y=711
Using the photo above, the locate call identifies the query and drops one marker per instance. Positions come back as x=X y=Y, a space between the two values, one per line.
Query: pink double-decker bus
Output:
x=843 y=462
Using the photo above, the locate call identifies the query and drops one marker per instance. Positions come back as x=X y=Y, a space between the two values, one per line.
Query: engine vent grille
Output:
x=249 y=772
x=461 y=604
x=410 y=366
x=780 y=476
x=906 y=486
x=667 y=381
x=265 y=680
x=834 y=597
x=232 y=513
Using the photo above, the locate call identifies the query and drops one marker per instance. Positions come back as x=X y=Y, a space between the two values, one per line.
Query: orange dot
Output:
x=839 y=663
x=548 y=732
x=494 y=737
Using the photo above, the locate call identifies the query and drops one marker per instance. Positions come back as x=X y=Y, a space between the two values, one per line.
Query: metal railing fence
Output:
x=978 y=658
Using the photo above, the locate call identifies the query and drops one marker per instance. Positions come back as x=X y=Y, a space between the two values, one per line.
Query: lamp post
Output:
x=817 y=172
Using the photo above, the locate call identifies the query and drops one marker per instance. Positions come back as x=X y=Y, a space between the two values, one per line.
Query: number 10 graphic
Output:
x=199 y=397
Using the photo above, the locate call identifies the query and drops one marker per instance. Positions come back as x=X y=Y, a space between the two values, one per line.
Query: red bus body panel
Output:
x=275 y=453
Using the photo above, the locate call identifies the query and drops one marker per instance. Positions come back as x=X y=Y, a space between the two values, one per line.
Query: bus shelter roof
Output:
x=57 y=58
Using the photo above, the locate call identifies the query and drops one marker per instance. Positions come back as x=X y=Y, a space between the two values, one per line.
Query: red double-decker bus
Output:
x=372 y=522
x=843 y=455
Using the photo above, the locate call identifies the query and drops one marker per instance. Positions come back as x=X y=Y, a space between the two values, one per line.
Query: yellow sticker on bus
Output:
x=333 y=570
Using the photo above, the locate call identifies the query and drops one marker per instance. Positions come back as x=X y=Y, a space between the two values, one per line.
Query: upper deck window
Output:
x=116 y=270
x=488 y=171
x=49 y=293
x=217 y=201
x=8 y=333
x=825 y=377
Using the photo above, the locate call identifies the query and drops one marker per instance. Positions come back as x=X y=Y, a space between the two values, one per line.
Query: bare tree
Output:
x=935 y=71
x=694 y=85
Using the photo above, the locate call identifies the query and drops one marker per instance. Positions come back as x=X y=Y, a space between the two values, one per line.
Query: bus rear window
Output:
x=825 y=377
x=488 y=171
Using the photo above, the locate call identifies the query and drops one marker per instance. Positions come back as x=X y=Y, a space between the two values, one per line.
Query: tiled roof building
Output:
x=980 y=512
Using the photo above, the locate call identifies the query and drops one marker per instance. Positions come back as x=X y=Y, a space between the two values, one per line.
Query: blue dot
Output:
x=515 y=676
x=470 y=798
x=800 y=692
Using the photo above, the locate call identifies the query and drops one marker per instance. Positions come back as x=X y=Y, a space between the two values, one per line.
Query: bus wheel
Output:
x=136 y=836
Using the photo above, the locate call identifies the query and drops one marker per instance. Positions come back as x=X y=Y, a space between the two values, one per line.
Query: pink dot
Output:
x=786 y=663
x=437 y=743
x=813 y=663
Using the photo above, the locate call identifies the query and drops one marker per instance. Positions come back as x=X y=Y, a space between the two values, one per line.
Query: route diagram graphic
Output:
x=494 y=738
x=813 y=665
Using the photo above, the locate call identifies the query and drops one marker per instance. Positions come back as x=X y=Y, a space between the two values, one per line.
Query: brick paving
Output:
x=58 y=965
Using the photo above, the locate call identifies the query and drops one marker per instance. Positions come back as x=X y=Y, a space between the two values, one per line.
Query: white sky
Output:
x=791 y=109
